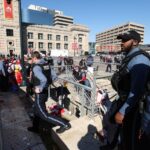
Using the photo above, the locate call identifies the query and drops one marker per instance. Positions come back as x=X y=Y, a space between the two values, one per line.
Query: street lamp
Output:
x=21 y=41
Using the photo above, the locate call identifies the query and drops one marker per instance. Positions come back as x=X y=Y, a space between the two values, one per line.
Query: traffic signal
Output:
x=8 y=1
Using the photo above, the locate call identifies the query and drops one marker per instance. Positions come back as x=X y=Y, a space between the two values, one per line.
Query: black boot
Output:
x=63 y=128
x=33 y=129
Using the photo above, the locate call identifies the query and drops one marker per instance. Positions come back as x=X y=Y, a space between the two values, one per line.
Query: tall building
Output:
x=9 y=27
x=50 y=29
x=62 y=20
x=36 y=17
x=106 y=41
x=39 y=15
x=41 y=29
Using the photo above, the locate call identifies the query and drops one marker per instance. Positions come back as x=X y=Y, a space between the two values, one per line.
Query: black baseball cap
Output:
x=132 y=34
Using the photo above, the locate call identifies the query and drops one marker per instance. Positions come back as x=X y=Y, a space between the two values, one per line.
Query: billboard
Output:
x=8 y=10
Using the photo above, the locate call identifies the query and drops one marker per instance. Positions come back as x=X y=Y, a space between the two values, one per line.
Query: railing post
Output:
x=83 y=112
x=93 y=97
x=49 y=92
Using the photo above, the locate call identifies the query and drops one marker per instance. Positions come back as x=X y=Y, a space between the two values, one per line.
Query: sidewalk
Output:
x=14 y=123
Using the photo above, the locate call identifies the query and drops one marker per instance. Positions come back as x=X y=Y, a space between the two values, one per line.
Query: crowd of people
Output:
x=10 y=73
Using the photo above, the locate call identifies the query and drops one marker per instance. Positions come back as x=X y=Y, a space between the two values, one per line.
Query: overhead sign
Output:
x=8 y=10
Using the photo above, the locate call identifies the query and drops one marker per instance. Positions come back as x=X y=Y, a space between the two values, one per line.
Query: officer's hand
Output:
x=37 y=90
x=119 y=118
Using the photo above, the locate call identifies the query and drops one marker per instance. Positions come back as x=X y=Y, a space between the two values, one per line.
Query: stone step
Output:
x=82 y=135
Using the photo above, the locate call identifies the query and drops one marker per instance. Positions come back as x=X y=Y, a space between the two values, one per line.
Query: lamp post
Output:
x=21 y=41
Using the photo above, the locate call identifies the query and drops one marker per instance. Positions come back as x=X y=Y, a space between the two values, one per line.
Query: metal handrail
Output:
x=83 y=96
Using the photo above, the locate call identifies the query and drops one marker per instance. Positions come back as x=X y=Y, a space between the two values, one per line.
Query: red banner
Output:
x=8 y=10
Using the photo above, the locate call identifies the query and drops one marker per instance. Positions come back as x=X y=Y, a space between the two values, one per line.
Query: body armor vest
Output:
x=46 y=71
x=121 y=81
x=121 y=78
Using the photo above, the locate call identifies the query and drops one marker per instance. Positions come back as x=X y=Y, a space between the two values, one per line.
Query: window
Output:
x=57 y=45
x=40 y=36
x=40 y=44
x=65 y=38
x=9 y=32
x=49 y=45
x=57 y=37
x=30 y=44
x=65 y=46
x=30 y=35
x=49 y=36
x=80 y=46
x=80 y=40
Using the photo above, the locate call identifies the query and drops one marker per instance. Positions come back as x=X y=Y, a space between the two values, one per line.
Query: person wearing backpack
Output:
x=41 y=80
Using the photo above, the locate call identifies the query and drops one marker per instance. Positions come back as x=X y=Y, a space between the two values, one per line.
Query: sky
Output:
x=101 y=15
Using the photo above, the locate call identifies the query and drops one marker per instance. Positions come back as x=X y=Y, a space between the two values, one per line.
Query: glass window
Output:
x=49 y=45
x=65 y=38
x=57 y=45
x=57 y=37
x=40 y=44
x=40 y=35
x=80 y=46
x=49 y=36
x=65 y=46
x=80 y=40
x=30 y=44
x=9 y=32
x=30 y=35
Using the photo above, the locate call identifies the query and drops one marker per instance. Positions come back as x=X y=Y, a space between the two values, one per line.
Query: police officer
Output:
x=40 y=84
x=131 y=87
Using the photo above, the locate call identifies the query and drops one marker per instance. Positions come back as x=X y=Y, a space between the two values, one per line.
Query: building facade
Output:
x=62 y=34
x=9 y=27
x=106 y=41
x=73 y=38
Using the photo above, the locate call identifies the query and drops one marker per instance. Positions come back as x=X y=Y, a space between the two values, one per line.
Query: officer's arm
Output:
x=2 y=68
x=139 y=76
x=38 y=73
